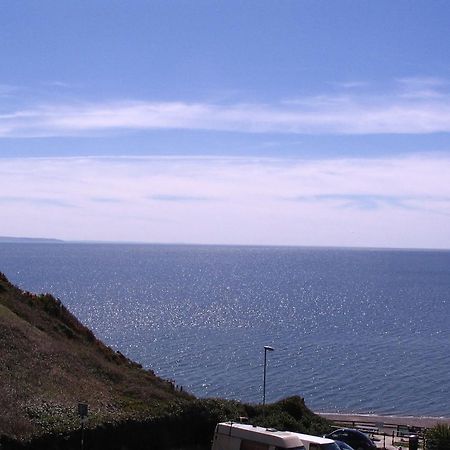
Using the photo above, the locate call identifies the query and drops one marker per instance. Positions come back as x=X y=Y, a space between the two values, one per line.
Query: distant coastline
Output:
x=30 y=240
x=26 y=240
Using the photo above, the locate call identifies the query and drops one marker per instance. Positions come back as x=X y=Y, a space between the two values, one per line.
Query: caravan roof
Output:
x=269 y=436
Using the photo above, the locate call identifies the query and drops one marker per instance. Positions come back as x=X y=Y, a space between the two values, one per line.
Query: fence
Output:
x=397 y=434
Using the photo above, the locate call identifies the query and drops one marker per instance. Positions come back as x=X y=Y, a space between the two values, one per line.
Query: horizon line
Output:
x=55 y=241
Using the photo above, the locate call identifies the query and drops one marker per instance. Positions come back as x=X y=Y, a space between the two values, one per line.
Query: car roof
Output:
x=314 y=439
x=351 y=430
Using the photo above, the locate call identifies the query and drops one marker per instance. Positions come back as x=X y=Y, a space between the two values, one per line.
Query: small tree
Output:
x=438 y=437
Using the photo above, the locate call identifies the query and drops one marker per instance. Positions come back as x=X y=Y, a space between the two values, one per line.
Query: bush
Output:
x=438 y=437
x=290 y=414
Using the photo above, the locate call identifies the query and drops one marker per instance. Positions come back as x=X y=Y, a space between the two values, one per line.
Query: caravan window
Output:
x=252 y=445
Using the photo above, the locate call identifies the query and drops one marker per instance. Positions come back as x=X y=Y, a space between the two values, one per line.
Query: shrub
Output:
x=438 y=437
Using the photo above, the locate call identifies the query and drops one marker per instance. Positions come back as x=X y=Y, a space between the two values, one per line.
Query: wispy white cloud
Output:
x=179 y=198
x=61 y=84
x=401 y=202
x=423 y=88
x=35 y=201
x=105 y=199
x=352 y=84
x=418 y=106
x=420 y=82
x=377 y=201
x=8 y=89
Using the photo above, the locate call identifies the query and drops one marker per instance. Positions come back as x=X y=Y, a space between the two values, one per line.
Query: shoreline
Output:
x=417 y=421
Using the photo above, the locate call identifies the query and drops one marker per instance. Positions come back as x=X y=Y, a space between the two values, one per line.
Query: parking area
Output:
x=388 y=432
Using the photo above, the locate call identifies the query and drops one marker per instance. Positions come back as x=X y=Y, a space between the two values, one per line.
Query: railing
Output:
x=398 y=433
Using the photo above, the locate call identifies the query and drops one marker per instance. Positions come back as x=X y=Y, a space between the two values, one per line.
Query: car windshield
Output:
x=343 y=446
x=330 y=446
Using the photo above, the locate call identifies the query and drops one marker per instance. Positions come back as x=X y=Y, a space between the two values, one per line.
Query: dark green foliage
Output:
x=290 y=414
x=438 y=437
x=217 y=410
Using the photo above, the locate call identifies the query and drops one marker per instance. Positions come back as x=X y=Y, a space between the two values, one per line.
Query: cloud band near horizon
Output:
x=390 y=202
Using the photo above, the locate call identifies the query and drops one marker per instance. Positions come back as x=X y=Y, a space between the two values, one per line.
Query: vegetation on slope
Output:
x=438 y=437
x=49 y=362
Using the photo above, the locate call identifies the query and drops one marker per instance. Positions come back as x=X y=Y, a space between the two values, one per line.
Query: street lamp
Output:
x=266 y=349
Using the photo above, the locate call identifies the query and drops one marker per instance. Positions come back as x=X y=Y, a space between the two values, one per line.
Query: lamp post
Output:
x=266 y=349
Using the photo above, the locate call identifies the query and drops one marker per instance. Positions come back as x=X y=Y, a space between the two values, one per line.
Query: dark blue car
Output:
x=343 y=446
x=354 y=438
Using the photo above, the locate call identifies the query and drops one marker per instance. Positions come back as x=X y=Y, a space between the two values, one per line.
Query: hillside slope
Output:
x=49 y=362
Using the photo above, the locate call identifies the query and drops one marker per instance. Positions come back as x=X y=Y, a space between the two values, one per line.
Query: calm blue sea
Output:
x=353 y=330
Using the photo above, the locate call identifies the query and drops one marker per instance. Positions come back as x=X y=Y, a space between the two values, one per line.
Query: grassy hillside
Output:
x=49 y=362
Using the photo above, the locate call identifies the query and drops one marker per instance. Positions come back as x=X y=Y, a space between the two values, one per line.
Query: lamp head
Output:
x=268 y=347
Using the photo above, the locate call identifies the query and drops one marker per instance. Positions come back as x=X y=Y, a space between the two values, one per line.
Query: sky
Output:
x=307 y=122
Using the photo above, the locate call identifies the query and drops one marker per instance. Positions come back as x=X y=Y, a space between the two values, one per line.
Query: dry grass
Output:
x=49 y=362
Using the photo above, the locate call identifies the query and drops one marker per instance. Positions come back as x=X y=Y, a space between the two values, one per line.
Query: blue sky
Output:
x=257 y=122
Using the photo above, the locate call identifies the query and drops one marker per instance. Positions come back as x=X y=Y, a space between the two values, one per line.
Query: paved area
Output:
x=387 y=425
x=389 y=445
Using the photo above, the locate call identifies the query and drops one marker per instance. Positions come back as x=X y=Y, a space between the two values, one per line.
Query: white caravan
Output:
x=239 y=436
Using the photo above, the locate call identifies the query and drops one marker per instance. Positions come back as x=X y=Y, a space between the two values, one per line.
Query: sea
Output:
x=353 y=330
